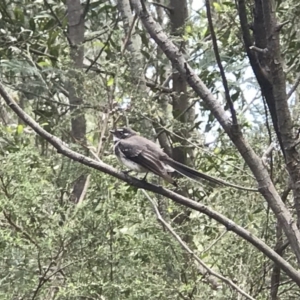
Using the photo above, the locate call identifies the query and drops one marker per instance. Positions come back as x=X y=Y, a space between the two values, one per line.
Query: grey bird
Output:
x=142 y=155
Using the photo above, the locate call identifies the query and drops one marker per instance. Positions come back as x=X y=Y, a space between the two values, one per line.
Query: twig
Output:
x=102 y=49
x=214 y=242
x=107 y=169
x=19 y=229
x=58 y=21
x=42 y=281
x=196 y=146
x=218 y=59
x=99 y=148
x=177 y=117
x=267 y=153
x=293 y=88
x=127 y=38
x=280 y=25
x=161 y=88
x=170 y=9
x=189 y=251
x=276 y=272
x=259 y=50
x=86 y=8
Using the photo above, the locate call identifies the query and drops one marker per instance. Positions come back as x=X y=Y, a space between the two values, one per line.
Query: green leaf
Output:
x=110 y=81
x=20 y=129
x=188 y=29
x=217 y=6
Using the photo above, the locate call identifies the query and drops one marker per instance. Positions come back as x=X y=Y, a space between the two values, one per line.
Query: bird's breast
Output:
x=127 y=162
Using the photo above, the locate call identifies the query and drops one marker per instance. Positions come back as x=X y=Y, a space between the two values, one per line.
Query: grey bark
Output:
x=268 y=68
x=254 y=162
x=178 y=16
x=78 y=122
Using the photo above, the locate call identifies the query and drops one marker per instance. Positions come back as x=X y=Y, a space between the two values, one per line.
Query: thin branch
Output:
x=102 y=49
x=38 y=52
x=107 y=169
x=190 y=252
x=268 y=152
x=128 y=36
x=293 y=88
x=99 y=149
x=276 y=272
x=215 y=241
x=19 y=229
x=280 y=25
x=170 y=9
x=86 y=8
x=177 y=117
x=218 y=59
x=42 y=281
x=202 y=149
x=241 y=7
x=259 y=50
x=58 y=21
x=160 y=88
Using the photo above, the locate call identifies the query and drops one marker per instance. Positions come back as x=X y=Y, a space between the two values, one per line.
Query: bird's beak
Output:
x=112 y=131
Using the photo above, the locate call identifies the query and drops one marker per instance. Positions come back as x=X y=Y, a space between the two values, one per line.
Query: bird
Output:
x=142 y=155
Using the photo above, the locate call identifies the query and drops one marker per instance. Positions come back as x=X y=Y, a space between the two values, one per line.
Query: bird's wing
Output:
x=143 y=157
x=128 y=150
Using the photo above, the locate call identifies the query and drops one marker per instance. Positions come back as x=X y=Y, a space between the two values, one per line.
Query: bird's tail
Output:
x=191 y=173
x=198 y=176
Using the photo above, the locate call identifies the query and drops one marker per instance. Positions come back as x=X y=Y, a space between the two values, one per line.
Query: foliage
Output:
x=111 y=245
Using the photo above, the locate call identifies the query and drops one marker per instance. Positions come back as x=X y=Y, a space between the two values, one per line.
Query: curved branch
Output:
x=266 y=187
x=197 y=259
x=101 y=166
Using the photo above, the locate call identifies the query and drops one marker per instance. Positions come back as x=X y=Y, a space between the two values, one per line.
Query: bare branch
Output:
x=170 y=9
x=276 y=272
x=259 y=50
x=218 y=59
x=102 y=167
x=86 y=8
x=280 y=25
x=99 y=149
x=293 y=88
x=189 y=251
x=266 y=186
x=128 y=36
x=268 y=152
x=215 y=241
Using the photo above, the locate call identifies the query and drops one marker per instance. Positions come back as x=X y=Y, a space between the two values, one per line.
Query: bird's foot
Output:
x=127 y=172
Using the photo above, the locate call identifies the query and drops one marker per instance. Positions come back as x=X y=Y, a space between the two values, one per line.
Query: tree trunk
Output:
x=78 y=123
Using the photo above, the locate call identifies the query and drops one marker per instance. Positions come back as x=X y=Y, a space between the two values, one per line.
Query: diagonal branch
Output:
x=189 y=251
x=61 y=148
x=293 y=88
x=19 y=228
x=58 y=22
x=218 y=59
x=278 y=79
x=266 y=187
